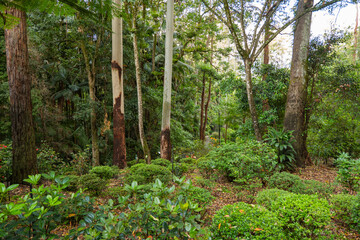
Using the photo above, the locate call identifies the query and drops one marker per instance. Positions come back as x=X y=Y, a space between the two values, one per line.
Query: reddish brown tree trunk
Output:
x=23 y=136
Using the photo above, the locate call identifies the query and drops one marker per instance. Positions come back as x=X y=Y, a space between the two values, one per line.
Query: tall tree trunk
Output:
x=119 y=151
x=139 y=93
x=206 y=108
x=165 y=142
x=23 y=136
x=251 y=100
x=91 y=80
x=296 y=97
x=202 y=135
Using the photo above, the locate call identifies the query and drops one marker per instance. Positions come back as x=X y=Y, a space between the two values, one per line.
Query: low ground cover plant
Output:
x=348 y=171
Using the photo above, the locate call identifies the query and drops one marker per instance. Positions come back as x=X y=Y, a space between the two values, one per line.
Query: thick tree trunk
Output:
x=165 y=142
x=139 y=93
x=119 y=151
x=23 y=136
x=251 y=100
x=295 y=103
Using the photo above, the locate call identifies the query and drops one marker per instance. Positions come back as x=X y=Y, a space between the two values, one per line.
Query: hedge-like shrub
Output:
x=303 y=216
x=245 y=221
x=104 y=172
x=161 y=162
x=342 y=205
x=148 y=173
x=286 y=181
x=268 y=196
x=134 y=162
x=92 y=182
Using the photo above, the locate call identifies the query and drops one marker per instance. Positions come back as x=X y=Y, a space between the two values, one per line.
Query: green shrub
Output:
x=161 y=162
x=282 y=141
x=197 y=195
x=349 y=171
x=302 y=216
x=93 y=183
x=115 y=192
x=104 y=172
x=180 y=169
x=312 y=187
x=355 y=213
x=73 y=184
x=243 y=161
x=286 y=181
x=206 y=167
x=268 y=196
x=342 y=205
x=244 y=221
x=134 y=162
x=204 y=183
x=5 y=162
x=47 y=159
x=188 y=160
x=147 y=173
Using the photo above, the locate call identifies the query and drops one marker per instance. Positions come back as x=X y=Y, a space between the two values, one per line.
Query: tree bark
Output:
x=119 y=151
x=251 y=100
x=139 y=93
x=296 y=97
x=23 y=136
x=165 y=142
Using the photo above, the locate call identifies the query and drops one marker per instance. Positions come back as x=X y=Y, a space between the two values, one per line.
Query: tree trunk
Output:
x=165 y=142
x=296 y=97
x=206 y=108
x=153 y=53
x=91 y=80
x=119 y=151
x=139 y=93
x=23 y=136
x=251 y=100
x=202 y=135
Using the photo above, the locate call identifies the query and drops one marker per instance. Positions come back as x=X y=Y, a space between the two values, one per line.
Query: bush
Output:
x=355 y=213
x=243 y=161
x=5 y=162
x=268 y=196
x=282 y=141
x=47 y=159
x=92 y=182
x=286 y=181
x=312 y=187
x=161 y=162
x=147 y=173
x=244 y=221
x=188 y=160
x=197 y=195
x=349 y=171
x=73 y=184
x=104 y=172
x=302 y=216
x=180 y=168
x=206 y=167
x=134 y=162
x=342 y=205
x=115 y=192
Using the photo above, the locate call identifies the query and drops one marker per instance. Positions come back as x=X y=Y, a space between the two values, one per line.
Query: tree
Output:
x=165 y=142
x=133 y=9
x=119 y=156
x=247 y=22
x=295 y=104
x=23 y=135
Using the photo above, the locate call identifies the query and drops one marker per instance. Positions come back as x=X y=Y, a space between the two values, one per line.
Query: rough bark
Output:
x=251 y=100
x=23 y=136
x=165 y=142
x=119 y=151
x=139 y=94
x=296 y=97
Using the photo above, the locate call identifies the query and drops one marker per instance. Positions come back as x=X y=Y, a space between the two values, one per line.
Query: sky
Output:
x=342 y=18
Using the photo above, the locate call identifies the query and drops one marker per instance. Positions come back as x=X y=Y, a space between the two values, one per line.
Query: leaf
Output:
x=187 y=226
